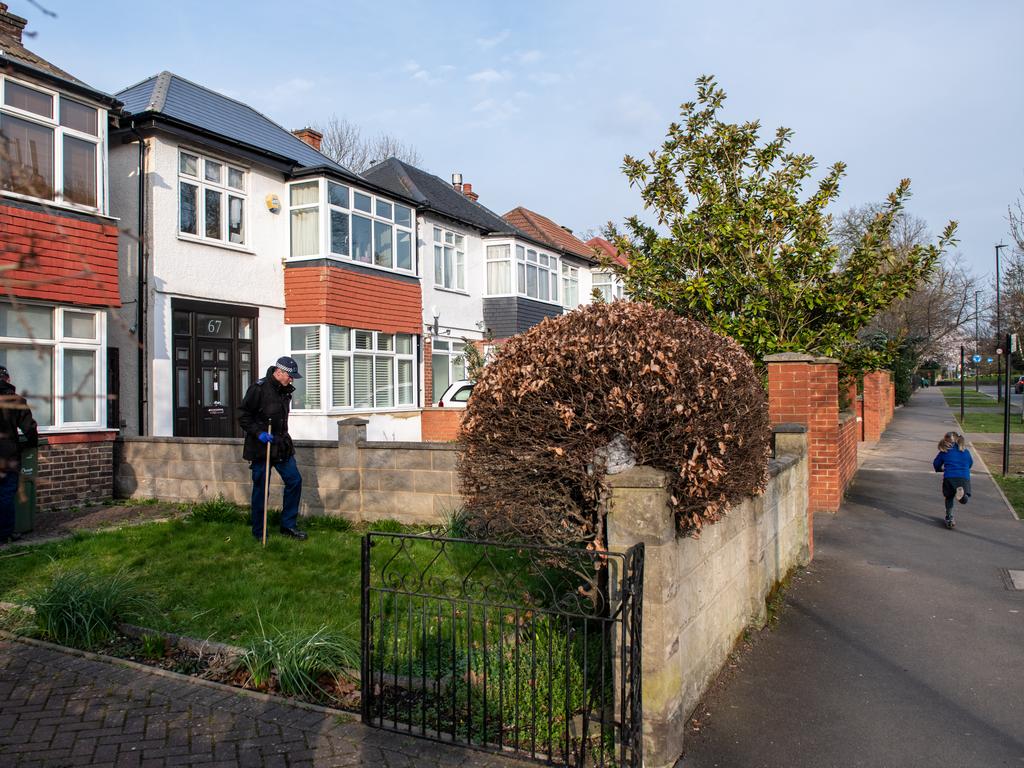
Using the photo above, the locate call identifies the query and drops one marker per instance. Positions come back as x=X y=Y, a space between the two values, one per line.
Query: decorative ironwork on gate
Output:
x=533 y=651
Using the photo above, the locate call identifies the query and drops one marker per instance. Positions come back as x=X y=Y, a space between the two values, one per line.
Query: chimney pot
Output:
x=467 y=190
x=310 y=136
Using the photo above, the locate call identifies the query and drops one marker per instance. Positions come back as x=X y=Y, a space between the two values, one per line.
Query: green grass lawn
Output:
x=210 y=579
x=971 y=398
x=989 y=422
x=1013 y=487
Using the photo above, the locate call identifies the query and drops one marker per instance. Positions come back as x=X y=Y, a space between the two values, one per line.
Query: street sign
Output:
x=977 y=359
x=990 y=360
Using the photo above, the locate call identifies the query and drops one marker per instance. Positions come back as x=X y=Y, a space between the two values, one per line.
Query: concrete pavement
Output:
x=901 y=645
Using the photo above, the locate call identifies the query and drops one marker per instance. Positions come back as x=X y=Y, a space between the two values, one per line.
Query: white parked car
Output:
x=457 y=394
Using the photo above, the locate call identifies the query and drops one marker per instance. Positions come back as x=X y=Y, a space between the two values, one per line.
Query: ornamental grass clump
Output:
x=82 y=610
x=607 y=384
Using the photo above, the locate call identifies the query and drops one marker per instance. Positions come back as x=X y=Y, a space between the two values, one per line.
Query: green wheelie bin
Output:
x=25 y=500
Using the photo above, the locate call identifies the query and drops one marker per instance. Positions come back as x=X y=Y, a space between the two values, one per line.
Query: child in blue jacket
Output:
x=954 y=462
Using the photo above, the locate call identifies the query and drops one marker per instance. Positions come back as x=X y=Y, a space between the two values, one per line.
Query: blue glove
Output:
x=266 y=437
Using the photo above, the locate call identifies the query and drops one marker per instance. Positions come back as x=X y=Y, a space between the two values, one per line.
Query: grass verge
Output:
x=988 y=422
x=1013 y=487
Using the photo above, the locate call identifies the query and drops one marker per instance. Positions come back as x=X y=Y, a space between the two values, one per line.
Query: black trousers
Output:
x=949 y=486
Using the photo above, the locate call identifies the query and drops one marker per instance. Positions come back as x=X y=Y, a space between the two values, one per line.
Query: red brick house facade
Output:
x=58 y=267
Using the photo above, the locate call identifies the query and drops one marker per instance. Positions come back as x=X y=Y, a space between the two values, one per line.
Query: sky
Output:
x=536 y=103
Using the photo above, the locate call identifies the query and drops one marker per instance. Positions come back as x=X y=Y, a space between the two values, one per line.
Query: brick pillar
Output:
x=803 y=389
x=874 y=405
x=892 y=397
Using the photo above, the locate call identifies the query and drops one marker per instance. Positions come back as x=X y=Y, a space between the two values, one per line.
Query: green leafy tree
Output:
x=738 y=246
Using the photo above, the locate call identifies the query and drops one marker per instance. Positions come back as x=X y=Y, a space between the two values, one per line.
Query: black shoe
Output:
x=294 y=533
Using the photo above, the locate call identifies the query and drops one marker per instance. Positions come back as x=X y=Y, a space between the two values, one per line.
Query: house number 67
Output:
x=214 y=326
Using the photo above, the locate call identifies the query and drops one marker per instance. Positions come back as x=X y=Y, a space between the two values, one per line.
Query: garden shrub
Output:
x=538 y=428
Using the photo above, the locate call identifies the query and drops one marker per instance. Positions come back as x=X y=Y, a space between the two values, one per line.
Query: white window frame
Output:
x=58 y=345
x=59 y=132
x=449 y=239
x=608 y=285
x=453 y=357
x=226 y=192
x=377 y=350
x=570 y=278
x=524 y=255
x=324 y=217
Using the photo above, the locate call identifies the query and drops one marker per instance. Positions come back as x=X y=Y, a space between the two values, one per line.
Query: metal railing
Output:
x=527 y=650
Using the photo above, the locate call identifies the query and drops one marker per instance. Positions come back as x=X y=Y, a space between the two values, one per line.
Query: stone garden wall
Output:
x=414 y=483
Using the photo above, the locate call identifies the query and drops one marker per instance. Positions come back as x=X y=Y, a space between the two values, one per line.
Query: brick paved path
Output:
x=57 y=709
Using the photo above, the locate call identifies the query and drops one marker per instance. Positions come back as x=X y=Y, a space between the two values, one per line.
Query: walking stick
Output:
x=266 y=485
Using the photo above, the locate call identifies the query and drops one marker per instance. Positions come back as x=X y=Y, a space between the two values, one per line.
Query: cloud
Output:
x=547 y=78
x=629 y=115
x=494 y=111
x=487 y=76
x=423 y=75
x=529 y=57
x=486 y=43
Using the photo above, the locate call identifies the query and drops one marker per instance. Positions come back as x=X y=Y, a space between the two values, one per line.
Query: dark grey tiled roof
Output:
x=437 y=194
x=175 y=97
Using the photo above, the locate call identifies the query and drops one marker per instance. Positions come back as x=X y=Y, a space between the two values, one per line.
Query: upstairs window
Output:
x=50 y=146
x=536 y=273
x=211 y=199
x=449 y=260
x=358 y=226
x=570 y=286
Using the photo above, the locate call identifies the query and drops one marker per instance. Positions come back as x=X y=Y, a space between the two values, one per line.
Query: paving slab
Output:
x=901 y=645
x=59 y=709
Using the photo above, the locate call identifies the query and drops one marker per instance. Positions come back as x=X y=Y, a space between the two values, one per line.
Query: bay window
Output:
x=359 y=227
x=211 y=199
x=52 y=145
x=54 y=355
x=345 y=368
x=449 y=260
x=536 y=272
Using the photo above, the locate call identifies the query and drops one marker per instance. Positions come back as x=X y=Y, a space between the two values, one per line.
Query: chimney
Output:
x=311 y=137
x=457 y=181
x=467 y=190
x=11 y=26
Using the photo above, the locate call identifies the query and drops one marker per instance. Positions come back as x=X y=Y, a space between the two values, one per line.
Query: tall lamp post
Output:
x=976 y=353
x=999 y=332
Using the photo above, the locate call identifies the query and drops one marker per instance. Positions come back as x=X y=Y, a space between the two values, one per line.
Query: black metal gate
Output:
x=525 y=650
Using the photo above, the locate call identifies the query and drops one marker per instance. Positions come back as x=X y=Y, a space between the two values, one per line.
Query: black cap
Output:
x=289 y=366
x=3 y=372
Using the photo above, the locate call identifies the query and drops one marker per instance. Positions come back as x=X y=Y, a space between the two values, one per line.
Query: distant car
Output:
x=1018 y=386
x=457 y=394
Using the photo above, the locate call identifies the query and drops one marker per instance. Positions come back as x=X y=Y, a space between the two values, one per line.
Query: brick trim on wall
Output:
x=66 y=259
x=351 y=298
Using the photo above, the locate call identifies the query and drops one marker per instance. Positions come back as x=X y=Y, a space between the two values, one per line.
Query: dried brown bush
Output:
x=537 y=427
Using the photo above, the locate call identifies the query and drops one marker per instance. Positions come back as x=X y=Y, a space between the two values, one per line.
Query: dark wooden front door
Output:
x=214 y=363
x=215 y=406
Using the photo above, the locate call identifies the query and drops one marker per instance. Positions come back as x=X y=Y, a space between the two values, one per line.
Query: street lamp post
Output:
x=976 y=352
x=999 y=331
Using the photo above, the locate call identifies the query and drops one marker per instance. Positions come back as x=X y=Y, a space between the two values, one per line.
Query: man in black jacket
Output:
x=264 y=419
x=14 y=415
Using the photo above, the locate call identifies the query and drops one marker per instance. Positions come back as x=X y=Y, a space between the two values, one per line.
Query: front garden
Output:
x=293 y=606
